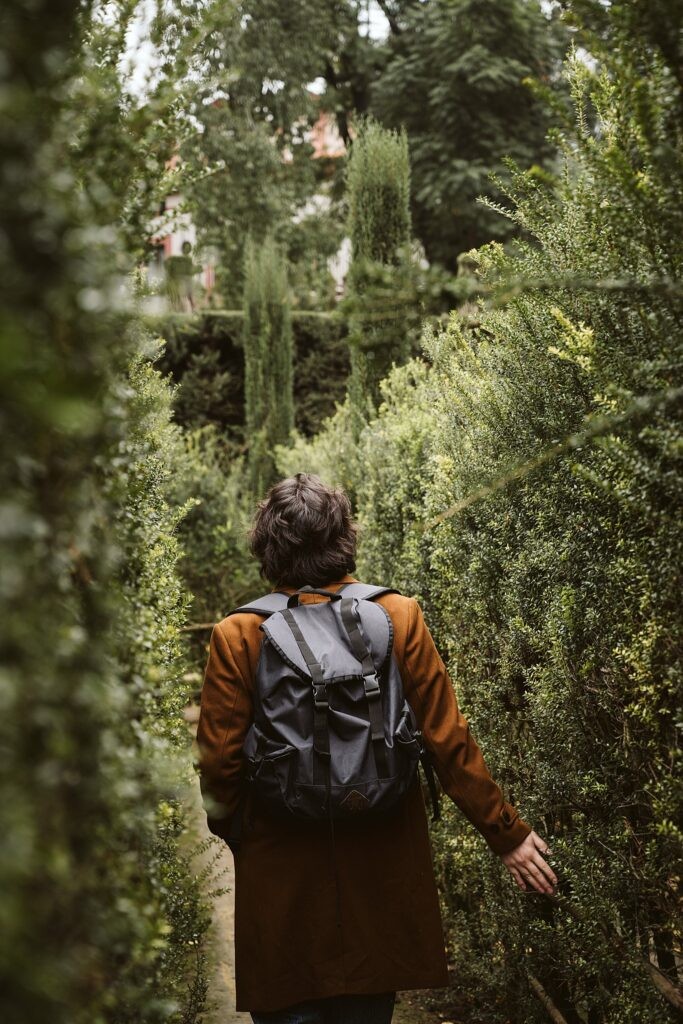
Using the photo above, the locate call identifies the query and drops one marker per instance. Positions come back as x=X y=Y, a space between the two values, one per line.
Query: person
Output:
x=329 y=927
x=180 y=271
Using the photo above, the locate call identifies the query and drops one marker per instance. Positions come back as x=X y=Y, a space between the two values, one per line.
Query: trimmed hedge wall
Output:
x=547 y=435
x=204 y=355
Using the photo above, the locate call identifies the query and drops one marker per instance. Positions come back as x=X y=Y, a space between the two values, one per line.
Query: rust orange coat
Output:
x=317 y=915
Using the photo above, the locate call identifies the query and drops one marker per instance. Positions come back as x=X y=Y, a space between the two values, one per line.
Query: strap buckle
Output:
x=320 y=695
x=372 y=687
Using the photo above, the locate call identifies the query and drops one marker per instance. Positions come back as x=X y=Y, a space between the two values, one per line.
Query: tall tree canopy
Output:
x=249 y=158
x=455 y=78
x=451 y=72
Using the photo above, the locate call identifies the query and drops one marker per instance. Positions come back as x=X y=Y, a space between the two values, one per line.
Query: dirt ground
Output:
x=411 y=1007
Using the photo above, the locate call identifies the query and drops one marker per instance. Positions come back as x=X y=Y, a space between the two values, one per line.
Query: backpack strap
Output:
x=373 y=694
x=367 y=591
x=266 y=605
x=321 y=734
x=276 y=600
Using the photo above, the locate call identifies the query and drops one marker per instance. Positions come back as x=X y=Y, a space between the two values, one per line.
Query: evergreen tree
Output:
x=379 y=226
x=455 y=78
x=268 y=359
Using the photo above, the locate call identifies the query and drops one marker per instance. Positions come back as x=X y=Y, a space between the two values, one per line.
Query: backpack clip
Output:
x=320 y=695
x=372 y=687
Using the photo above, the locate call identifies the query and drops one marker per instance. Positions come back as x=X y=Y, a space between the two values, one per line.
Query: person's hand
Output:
x=526 y=864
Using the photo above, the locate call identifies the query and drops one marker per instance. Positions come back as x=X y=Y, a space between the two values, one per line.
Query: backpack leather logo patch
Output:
x=355 y=801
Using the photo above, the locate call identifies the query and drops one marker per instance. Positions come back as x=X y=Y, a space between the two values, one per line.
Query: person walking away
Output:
x=333 y=918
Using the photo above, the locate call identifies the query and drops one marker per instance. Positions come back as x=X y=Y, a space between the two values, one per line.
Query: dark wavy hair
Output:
x=303 y=532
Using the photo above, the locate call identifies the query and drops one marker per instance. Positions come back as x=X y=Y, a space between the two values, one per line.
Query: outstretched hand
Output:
x=526 y=865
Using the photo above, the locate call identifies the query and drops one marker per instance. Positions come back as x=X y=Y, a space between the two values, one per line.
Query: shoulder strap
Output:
x=266 y=605
x=276 y=600
x=367 y=591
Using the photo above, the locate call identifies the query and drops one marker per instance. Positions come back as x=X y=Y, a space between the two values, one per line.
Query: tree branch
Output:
x=390 y=16
x=545 y=999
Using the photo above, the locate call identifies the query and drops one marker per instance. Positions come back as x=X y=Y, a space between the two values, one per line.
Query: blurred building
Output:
x=325 y=138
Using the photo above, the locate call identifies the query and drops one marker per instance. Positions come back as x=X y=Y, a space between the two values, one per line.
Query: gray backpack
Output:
x=333 y=736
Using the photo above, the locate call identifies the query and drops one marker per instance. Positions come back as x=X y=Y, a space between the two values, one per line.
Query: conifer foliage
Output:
x=379 y=227
x=268 y=372
x=525 y=483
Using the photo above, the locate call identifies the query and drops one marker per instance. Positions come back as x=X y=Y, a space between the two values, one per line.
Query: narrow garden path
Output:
x=220 y=946
x=410 y=1008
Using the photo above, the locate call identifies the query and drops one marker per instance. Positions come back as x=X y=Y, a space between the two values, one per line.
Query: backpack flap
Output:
x=327 y=639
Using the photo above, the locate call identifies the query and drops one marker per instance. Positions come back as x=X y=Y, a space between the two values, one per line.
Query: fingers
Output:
x=535 y=876
x=545 y=868
x=528 y=868
x=540 y=843
x=517 y=877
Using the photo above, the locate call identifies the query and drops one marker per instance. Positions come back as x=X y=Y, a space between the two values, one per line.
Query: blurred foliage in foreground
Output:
x=523 y=480
x=101 y=916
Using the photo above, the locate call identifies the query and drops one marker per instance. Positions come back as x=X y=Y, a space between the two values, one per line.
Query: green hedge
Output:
x=204 y=354
x=544 y=428
x=101 y=918
x=268 y=359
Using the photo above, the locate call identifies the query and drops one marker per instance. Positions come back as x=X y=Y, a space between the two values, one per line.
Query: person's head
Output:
x=303 y=532
x=186 y=248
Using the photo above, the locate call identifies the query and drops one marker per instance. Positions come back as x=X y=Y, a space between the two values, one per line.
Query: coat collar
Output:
x=332 y=585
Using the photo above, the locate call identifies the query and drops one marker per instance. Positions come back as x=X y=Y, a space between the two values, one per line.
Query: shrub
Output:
x=155 y=964
x=268 y=398
x=203 y=355
x=90 y=929
x=537 y=459
x=332 y=453
x=216 y=565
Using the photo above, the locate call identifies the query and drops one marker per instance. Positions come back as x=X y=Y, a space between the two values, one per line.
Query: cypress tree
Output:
x=268 y=358
x=380 y=230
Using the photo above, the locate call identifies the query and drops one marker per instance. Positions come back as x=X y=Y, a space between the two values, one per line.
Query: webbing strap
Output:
x=358 y=645
x=309 y=657
x=321 y=735
x=373 y=694
x=334 y=595
x=368 y=591
x=426 y=762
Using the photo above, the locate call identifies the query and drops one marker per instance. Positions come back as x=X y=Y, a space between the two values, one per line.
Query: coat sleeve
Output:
x=225 y=714
x=458 y=761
